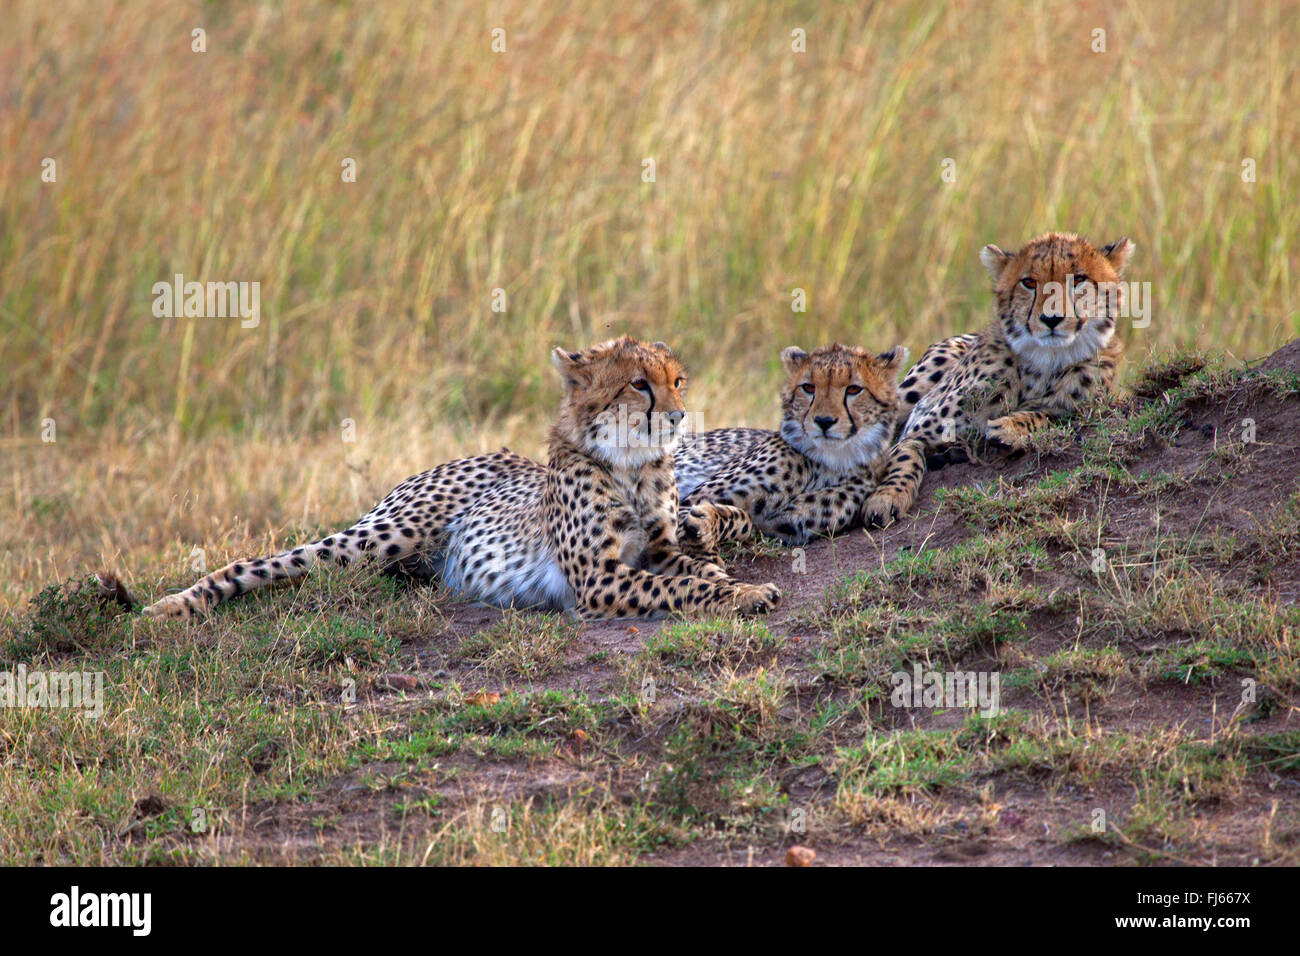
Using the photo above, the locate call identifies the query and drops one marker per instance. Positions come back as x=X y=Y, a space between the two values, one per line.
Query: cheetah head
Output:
x=1058 y=297
x=839 y=403
x=622 y=401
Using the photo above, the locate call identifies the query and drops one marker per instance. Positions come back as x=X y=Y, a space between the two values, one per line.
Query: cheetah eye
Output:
x=679 y=383
x=1028 y=283
x=1080 y=279
x=808 y=387
x=641 y=385
x=853 y=389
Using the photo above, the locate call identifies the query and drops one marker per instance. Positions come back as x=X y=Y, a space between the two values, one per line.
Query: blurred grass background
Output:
x=522 y=170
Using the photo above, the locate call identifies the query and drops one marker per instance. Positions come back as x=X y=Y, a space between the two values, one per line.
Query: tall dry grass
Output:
x=523 y=171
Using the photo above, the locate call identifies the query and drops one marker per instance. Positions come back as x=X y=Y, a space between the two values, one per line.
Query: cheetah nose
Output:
x=1051 y=321
x=675 y=417
x=824 y=422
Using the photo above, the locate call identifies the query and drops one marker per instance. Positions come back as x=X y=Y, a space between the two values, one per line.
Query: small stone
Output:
x=800 y=856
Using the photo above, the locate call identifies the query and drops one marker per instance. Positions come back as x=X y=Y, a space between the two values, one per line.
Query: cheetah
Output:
x=1051 y=349
x=594 y=531
x=839 y=408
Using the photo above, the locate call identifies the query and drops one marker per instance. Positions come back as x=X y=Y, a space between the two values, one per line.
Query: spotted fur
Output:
x=839 y=406
x=1051 y=349
x=594 y=530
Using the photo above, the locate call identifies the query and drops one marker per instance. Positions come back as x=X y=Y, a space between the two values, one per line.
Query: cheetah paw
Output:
x=884 y=507
x=701 y=533
x=1006 y=432
x=700 y=528
x=757 y=598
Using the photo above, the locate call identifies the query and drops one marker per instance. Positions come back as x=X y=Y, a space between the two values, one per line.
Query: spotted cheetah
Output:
x=1051 y=349
x=839 y=408
x=594 y=530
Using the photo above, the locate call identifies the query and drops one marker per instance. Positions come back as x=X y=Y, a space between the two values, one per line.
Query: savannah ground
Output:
x=237 y=739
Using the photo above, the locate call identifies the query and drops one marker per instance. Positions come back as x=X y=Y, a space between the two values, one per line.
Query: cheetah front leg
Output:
x=899 y=486
x=1013 y=430
x=940 y=422
x=703 y=528
x=615 y=590
x=820 y=513
x=710 y=524
x=730 y=505
x=606 y=586
x=1076 y=386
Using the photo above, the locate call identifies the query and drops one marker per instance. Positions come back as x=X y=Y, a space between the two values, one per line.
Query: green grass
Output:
x=521 y=645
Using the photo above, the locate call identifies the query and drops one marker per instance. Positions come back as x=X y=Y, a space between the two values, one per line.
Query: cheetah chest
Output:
x=634 y=509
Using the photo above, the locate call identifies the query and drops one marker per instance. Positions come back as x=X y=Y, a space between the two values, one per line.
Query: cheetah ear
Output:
x=793 y=358
x=995 y=260
x=569 y=365
x=895 y=359
x=662 y=346
x=1118 y=252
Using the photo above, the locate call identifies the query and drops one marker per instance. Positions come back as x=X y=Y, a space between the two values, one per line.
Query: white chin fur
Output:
x=839 y=454
x=1054 y=354
x=634 y=454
